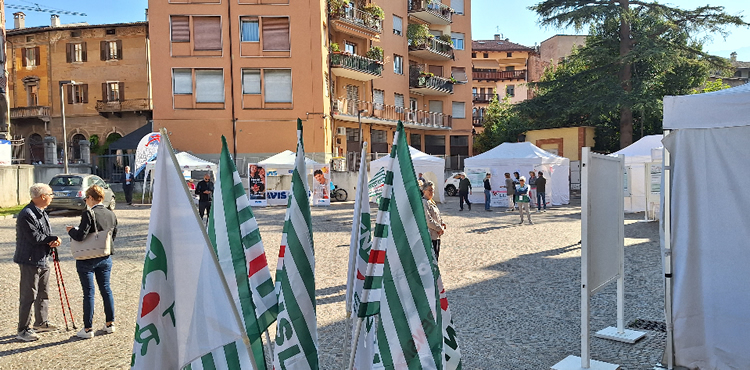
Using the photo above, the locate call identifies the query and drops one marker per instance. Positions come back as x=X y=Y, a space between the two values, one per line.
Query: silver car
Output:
x=70 y=191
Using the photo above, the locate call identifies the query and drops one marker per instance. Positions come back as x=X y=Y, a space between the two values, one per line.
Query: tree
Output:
x=622 y=13
x=501 y=124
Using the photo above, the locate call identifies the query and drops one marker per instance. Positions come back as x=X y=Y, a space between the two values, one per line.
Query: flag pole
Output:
x=375 y=243
x=269 y=349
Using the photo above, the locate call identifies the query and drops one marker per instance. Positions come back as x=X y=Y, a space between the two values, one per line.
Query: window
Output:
x=350 y=48
x=459 y=109
x=30 y=57
x=458 y=6
x=473 y=55
x=77 y=94
x=436 y=106
x=459 y=146
x=110 y=31
x=510 y=90
x=29 y=38
x=379 y=141
x=398 y=64
x=486 y=55
x=209 y=86
x=75 y=52
x=276 y=34
x=458 y=40
x=110 y=50
x=510 y=68
x=399 y=102
x=207 y=33
x=278 y=85
x=509 y=54
x=113 y=91
x=250 y=29
x=378 y=98
x=415 y=140
x=75 y=33
x=434 y=144
x=398 y=25
x=251 y=81
x=180 y=27
x=182 y=81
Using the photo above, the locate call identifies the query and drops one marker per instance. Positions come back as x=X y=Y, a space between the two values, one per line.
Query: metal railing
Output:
x=350 y=107
x=356 y=63
x=477 y=121
x=357 y=17
x=433 y=6
x=434 y=45
x=493 y=75
x=420 y=80
x=29 y=112
x=484 y=98
x=127 y=105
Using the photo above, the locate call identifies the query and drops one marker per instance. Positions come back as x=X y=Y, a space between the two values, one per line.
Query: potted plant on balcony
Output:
x=446 y=38
x=337 y=7
x=374 y=10
x=375 y=53
x=418 y=34
x=334 y=47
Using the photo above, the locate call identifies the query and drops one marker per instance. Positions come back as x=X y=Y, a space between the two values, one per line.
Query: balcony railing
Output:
x=128 y=105
x=36 y=111
x=357 y=63
x=432 y=11
x=427 y=84
x=389 y=114
x=477 y=121
x=433 y=45
x=493 y=75
x=357 y=17
x=484 y=98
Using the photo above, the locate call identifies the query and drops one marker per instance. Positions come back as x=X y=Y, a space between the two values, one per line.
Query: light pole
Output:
x=62 y=117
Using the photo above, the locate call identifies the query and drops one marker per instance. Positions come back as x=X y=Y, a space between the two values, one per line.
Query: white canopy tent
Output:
x=522 y=158
x=706 y=254
x=636 y=156
x=432 y=169
x=187 y=162
x=283 y=163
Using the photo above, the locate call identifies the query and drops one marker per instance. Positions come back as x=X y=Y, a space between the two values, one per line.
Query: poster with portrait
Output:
x=256 y=184
x=321 y=188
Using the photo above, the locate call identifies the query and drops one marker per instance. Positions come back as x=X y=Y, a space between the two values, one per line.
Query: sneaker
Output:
x=27 y=335
x=45 y=327
x=109 y=329
x=521 y=223
x=469 y=207
x=85 y=334
x=530 y=223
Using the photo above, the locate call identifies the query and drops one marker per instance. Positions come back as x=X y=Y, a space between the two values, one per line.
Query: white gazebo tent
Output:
x=283 y=163
x=522 y=158
x=705 y=229
x=187 y=162
x=636 y=156
x=432 y=169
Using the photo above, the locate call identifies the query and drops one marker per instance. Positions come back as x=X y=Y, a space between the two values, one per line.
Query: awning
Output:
x=130 y=141
x=485 y=64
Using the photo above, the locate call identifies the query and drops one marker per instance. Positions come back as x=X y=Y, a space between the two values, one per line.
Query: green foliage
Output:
x=417 y=34
x=337 y=6
x=374 y=10
x=711 y=86
x=335 y=47
x=447 y=38
x=376 y=53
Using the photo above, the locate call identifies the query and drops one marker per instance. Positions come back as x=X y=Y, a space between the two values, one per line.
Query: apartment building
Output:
x=500 y=68
x=247 y=69
x=102 y=71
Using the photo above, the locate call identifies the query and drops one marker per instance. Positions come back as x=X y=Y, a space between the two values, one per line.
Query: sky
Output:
x=511 y=18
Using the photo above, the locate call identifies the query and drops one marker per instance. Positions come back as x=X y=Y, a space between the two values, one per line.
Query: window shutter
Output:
x=69 y=92
x=103 y=50
x=105 y=92
x=122 y=91
x=69 y=52
x=207 y=31
x=278 y=85
x=85 y=93
x=84 y=52
x=182 y=80
x=276 y=33
x=180 y=28
x=458 y=6
x=119 y=49
x=209 y=86
x=458 y=110
x=24 y=57
x=251 y=81
x=36 y=55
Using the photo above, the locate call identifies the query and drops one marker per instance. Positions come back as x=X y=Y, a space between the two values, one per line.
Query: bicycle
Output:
x=339 y=194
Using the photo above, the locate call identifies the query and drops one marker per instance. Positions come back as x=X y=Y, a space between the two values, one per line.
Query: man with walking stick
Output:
x=34 y=244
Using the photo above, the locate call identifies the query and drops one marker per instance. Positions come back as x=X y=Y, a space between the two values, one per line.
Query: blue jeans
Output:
x=487 y=199
x=100 y=267
x=541 y=200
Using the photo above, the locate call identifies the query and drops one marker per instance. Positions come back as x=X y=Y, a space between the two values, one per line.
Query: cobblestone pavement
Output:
x=513 y=289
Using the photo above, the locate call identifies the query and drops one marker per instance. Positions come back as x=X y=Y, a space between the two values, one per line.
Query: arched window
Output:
x=36 y=148
x=76 y=144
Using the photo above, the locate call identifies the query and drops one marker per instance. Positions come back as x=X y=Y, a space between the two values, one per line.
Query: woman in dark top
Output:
x=94 y=218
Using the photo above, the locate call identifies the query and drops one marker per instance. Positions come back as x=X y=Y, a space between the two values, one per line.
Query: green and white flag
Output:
x=296 y=327
x=185 y=310
x=411 y=331
x=235 y=236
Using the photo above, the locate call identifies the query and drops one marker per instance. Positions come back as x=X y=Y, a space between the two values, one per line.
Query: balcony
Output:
x=355 y=22
x=128 y=105
x=431 y=49
x=431 y=11
x=355 y=67
x=484 y=98
x=477 y=121
x=346 y=110
x=494 y=75
x=37 y=111
x=426 y=84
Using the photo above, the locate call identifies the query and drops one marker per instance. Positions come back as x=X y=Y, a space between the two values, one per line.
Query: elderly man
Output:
x=127 y=185
x=34 y=244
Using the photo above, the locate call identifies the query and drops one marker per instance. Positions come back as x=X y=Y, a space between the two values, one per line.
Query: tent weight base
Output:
x=629 y=336
x=574 y=363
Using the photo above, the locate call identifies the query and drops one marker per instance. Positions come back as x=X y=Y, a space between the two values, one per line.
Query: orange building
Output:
x=247 y=69
x=107 y=94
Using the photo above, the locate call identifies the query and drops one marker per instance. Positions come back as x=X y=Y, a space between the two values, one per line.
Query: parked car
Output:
x=70 y=189
x=451 y=184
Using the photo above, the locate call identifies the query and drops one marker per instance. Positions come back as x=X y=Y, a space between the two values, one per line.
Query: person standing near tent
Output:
x=464 y=189
x=541 y=187
x=435 y=223
x=204 y=190
x=487 y=191
x=510 y=192
x=532 y=186
x=522 y=194
x=127 y=185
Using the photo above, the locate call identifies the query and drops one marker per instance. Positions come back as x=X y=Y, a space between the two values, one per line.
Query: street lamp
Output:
x=62 y=116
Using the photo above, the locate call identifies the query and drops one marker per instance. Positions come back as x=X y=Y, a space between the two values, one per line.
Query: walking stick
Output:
x=57 y=266
x=57 y=277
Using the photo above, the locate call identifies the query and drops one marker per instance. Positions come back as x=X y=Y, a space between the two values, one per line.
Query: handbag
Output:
x=93 y=245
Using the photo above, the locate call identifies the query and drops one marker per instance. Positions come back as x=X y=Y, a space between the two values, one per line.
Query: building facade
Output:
x=247 y=69
x=102 y=73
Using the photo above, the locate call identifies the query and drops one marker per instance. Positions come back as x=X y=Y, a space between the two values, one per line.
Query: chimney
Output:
x=146 y=14
x=499 y=37
x=19 y=20
x=55 y=20
x=733 y=56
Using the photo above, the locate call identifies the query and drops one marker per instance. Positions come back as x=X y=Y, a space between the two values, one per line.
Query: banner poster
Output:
x=321 y=188
x=256 y=184
x=5 y=153
x=499 y=198
x=654 y=172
